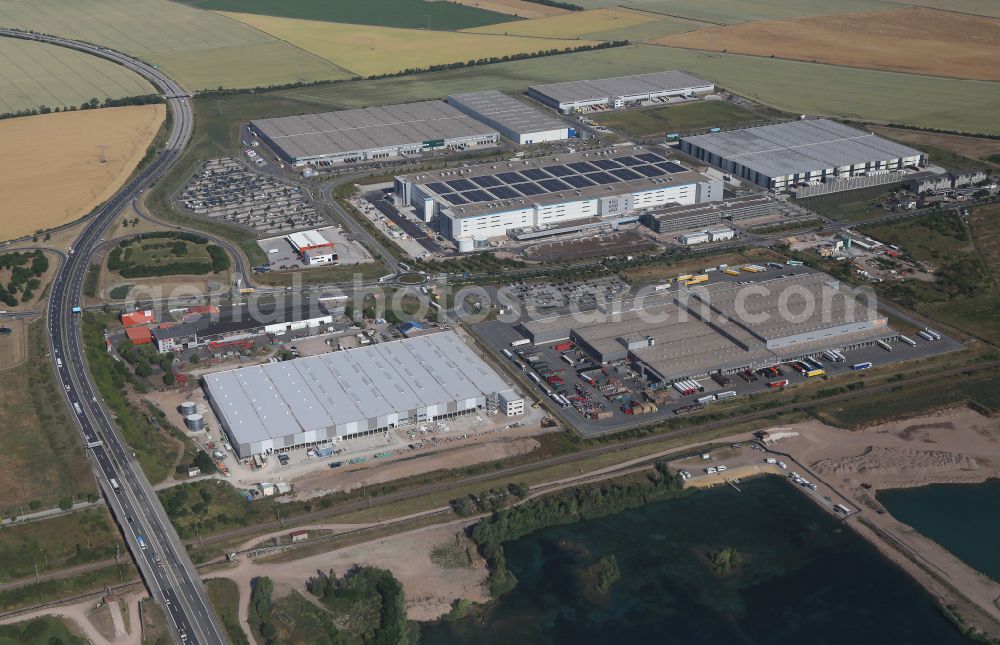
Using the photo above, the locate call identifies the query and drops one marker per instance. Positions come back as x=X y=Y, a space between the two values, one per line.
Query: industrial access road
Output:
x=161 y=559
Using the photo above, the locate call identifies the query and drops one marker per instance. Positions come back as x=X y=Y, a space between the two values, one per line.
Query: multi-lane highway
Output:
x=158 y=552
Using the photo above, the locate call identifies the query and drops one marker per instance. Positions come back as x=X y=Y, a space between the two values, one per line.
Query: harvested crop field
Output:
x=519 y=8
x=36 y=74
x=575 y=24
x=917 y=41
x=61 y=172
x=729 y=12
x=407 y=14
x=367 y=50
x=199 y=49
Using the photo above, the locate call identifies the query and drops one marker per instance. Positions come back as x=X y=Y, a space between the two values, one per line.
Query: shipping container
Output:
x=812 y=373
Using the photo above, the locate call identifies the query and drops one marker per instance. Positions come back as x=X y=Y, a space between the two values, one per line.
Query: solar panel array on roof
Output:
x=485 y=181
x=554 y=178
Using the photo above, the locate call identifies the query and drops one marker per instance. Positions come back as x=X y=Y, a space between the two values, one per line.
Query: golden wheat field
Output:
x=56 y=168
x=917 y=41
x=367 y=50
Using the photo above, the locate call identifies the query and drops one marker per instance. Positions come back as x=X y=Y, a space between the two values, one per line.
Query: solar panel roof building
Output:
x=372 y=133
x=476 y=203
x=618 y=92
x=516 y=120
x=815 y=150
x=330 y=397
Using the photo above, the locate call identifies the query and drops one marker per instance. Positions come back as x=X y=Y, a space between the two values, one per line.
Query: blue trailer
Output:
x=324 y=452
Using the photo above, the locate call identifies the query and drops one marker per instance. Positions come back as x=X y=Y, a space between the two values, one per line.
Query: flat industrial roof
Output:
x=306 y=239
x=800 y=146
x=329 y=133
x=487 y=188
x=508 y=112
x=317 y=392
x=685 y=344
x=637 y=84
x=675 y=211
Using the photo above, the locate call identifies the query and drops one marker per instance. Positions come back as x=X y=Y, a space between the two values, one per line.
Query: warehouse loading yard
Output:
x=627 y=359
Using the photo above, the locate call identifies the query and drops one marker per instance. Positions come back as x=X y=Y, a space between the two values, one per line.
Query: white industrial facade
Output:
x=619 y=92
x=516 y=120
x=322 y=399
x=474 y=204
x=801 y=152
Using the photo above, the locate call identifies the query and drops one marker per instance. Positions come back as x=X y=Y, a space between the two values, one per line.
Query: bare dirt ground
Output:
x=429 y=588
x=918 y=41
x=617 y=243
x=950 y=446
x=78 y=617
x=68 y=163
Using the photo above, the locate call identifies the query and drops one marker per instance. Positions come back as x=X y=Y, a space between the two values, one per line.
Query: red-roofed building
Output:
x=139 y=335
x=138 y=318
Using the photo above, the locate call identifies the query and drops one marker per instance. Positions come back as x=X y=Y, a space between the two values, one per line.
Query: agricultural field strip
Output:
x=571 y=25
x=368 y=50
x=35 y=74
x=69 y=145
x=201 y=49
x=951 y=45
x=796 y=87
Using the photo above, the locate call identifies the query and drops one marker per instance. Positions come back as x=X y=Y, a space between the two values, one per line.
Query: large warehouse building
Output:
x=721 y=327
x=800 y=152
x=372 y=133
x=481 y=202
x=304 y=402
x=516 y=120
x=618 y=93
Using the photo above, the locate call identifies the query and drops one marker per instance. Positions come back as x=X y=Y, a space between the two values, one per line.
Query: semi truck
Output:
x=730 y=272
x=562 y=347
x=774 y=385
x=141 y=541
x=884 y=345
x=925 y=336
x=861 y=366
x=793 y=263
x=932 y=333
x=519 y=342
x=76 y=310
x=728 y=394
x=698 y=279
x=812 y=373
x=909 y=341
x=508 y=354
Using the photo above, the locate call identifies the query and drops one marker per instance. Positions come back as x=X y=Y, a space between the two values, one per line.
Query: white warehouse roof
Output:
x=506 y=112
x=799 y=146
x=621 y=86
x=275 y=400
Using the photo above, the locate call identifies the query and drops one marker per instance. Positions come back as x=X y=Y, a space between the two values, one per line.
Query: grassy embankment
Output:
x=44 y=460
x=156 y=444
x=225 y=598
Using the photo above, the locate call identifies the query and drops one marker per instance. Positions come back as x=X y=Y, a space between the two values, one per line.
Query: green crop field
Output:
x=35 y=74
x=200 y=49
x=729 y=12
x=799 y=88
x=677 y=118
x=409 y=14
